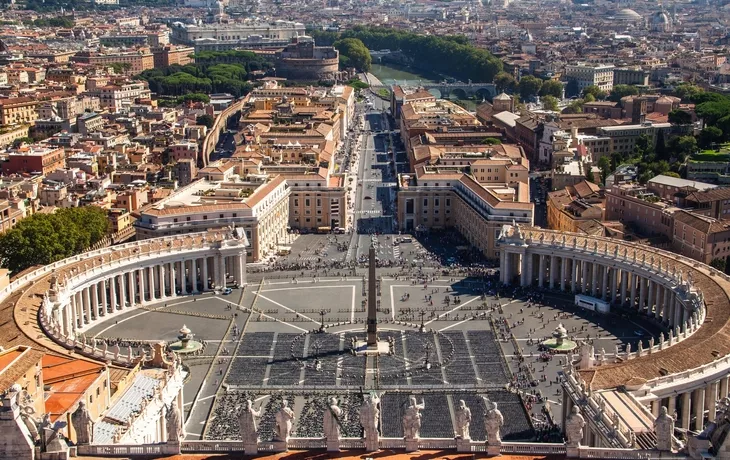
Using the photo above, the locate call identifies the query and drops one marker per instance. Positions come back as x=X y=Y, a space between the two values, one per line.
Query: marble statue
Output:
x=83 y=425
x=664 y=430
x=284 y=419
x=332 y=420
x=247 y=423
x=628 y=349
x=574 y=427
x=412 y=418
x=463 y=420
x=27 y=411
x=493 y=421
x=174 y=423
x=370 y=415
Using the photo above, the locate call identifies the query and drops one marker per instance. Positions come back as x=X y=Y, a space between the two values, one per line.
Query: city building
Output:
x=36 y=159
x=431 y=199
x=624 y=137
x=21 y=110
x=586 y=74
x=220 y=37
x=568 y=208
x=137 y=60
x=641 y=208
x=260 y=208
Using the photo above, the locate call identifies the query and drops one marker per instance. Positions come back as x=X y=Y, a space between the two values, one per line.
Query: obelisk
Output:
x=372 y=302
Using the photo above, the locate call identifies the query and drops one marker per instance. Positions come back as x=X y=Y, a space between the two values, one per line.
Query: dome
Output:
x=628 y=15
x=660 y=17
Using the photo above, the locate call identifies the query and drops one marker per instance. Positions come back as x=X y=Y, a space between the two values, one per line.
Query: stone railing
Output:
x=508 y=448
x=626 y=454
x=531 y=448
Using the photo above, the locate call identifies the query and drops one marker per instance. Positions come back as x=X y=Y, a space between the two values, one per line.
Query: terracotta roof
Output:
x=707 y=196
x=22 y=362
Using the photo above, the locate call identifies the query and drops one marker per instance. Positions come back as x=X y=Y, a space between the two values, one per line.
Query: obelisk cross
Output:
x=372 y=302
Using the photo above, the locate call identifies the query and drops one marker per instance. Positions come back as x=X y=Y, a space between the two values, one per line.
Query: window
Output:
x=425 y=201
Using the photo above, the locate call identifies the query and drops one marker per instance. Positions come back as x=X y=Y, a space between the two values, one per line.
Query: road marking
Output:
x=453 y=309
x=455 y=324
x=287 y=308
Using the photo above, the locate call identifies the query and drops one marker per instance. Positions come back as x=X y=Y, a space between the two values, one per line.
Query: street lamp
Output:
x=322 y=312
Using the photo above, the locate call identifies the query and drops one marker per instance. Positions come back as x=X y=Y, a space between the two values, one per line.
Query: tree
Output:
x=604 y=164
x=597 y=92
x=661 y=148
x=687 y=91
x=574 y=107
x=687 y=145
x=549 y=102
x=589 y=98
x=505 y=82
x=552 y=88
x=205 y=120
x=709 y=136
x=719 y=264
x=491 y=141
x=680 y=117
x=354 y=53
x=42 y=239
x=620 y=91
x=22 y=140
x=529 y=87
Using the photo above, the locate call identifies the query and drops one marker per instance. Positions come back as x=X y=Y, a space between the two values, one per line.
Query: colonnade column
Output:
x=632 y=284
x=194 y=275
x=131 y=290
x=122 y=291
x=101 y=311
x=151 y=278
x=142 y=284
x=604 y=286
x=624 y=280
x=163 y=281
x=173 y=280
x=672 y=406
x=205 y=270
x=711 y=400
x=698 y=403
x=95 y=295
x=541 y=273
x=614 y=287
x=642 y=293
x=563 y=271
x=553 y=271
x=685 y=410
x=222 y=270
x=594 y=279
x=183 y=277
x=659 y=301
x=651 y=294
x=113 y=293
x=574 y=276
x=241 y=263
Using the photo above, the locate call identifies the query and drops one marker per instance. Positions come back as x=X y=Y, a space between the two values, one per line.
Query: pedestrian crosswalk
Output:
x=396 y=251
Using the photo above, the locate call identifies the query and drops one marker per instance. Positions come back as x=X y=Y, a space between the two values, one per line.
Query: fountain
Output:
x=185 y=343
x=560 y=342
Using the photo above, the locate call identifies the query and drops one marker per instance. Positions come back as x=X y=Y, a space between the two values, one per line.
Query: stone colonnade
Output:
x=104 y=289
x=616 y=281
x=654 y=286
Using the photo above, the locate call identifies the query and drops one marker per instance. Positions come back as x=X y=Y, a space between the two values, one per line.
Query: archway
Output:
x=458 y=93
x=483 y=94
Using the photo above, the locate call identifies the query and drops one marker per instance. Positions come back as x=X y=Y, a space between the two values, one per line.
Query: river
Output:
x=390 y=75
